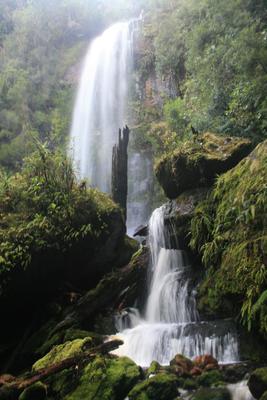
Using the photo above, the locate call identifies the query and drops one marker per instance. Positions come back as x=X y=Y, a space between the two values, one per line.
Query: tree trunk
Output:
x=120 y=170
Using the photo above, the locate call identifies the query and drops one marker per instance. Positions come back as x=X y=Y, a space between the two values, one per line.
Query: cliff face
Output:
x=225 y=222
x=229 y=230
x=197 y=163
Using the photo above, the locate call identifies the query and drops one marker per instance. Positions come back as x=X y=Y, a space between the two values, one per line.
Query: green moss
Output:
x=211 y=394
x=161 y=387
x=37 y=391
x=196 y=164
x=190 y=384
x=62 y=383
x=229 y=229
x=153 y=369
x=63 y=351
x=106 y=379
x=43 y=208
x=210 y=378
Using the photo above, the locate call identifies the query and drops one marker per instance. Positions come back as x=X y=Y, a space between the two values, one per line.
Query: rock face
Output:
x=229 y=230
x=179 y=212
x=196 y=164
x=257 y=382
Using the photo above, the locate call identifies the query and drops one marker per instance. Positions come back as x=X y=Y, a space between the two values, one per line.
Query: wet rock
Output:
x=211 y=394
x=210 y=378
x=181 y=365
x=178 y=214
x=196 y=164
x=142 y=230
x=195 y=371
x=38 y=391
x=117 y=290
x=160 y=387
x=206 y=362
x=257 y=382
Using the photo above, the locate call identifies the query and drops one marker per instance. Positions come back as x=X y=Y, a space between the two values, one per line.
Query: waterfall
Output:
x=100 y=110
x=170 y=323
x=100 y=107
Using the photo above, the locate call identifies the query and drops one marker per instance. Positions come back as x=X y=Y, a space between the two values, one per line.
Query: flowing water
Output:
x=240 y=391
x=170 y=323
x=100 y=108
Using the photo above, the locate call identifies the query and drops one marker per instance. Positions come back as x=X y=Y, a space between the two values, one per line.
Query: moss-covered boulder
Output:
x=38 y=391
x=211 y=378
x=63 y=351
x=106 y=379
x=211 y=394
x=257 y=382
x=229 y=230
x=196 y=164
x=153 y=368
x=160 y=387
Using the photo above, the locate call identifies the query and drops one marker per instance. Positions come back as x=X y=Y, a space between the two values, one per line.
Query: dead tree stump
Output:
x=120 y=170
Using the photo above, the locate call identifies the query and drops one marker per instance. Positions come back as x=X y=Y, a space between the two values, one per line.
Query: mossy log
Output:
x=120 y=170
x=20 y=384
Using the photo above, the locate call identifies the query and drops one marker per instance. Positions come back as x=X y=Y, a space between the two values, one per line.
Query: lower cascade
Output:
x=170 y=323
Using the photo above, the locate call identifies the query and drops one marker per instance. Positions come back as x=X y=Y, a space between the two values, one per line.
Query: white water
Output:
x=100 y=107
x=170 y=324
x=240 y=391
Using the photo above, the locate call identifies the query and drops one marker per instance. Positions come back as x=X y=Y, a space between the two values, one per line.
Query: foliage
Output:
x=42 y=207
x=216 y=53
x=229 y=230
x=42 y=43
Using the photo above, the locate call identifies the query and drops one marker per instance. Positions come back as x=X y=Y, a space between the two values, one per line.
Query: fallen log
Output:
x=19 y=384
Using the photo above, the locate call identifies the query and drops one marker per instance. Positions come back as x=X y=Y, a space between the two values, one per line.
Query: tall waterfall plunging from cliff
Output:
x=170 y=323
x=100 y=108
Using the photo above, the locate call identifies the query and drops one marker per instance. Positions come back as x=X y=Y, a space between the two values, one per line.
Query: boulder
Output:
x=160 y=387
x=257 y=382
x=211 y=394
x=210 y=378
x=106 y=379
x=181 y=364
x=38 y=391
x=206 y=361
x=196 y=164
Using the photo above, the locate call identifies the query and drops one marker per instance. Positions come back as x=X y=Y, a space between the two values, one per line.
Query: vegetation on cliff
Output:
x=196 y=164
x=43 y=209
x=229 y=230
x=202 y=64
